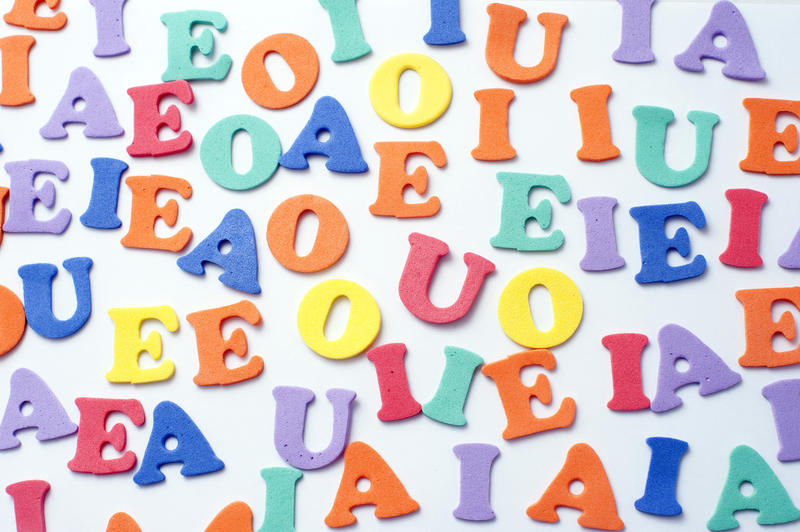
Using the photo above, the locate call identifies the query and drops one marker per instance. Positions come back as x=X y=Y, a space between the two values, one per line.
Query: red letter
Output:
x=417 y=274
x=92 y=435
x=148 y=120
x=29 y=504
x=746 y=207
x=626 y=371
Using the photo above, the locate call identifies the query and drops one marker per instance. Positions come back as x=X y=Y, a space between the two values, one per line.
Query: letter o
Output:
x=216 y=152
x=362 y=325
x=434 y=90
x=301 y=57
x=329 y=244
x=514 y=312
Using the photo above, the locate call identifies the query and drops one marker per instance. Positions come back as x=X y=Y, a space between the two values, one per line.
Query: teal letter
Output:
x=181 y=45
x=347 y=35
x=279 y=515
x=769 y=497
x=517 y=211
x=447 y=406
x=651 y=136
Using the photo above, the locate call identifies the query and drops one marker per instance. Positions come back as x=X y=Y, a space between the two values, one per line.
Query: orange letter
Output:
x=595 y=129
x=15 y=52
x=493 y=144
x=23 y=13
x=393 y=179
x=212 y=347
x=596 y=500
x=759 y=327
x=504 y=24
x=12 y=320
x=516 y=397
x=145 y=212
x=385 y=492
x=329 y=245
x=302 y=60
x=763 y=138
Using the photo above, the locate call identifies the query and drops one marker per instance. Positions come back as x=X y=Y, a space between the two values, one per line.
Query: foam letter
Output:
x=15 y=51
x=601 y=242
x=181 y=45
x=128 y=344
x=385 y=492
x=93 y=436
x=362 y=325
x=493 y=143
x=216 y=152
x=435 y=90
x=110 y=30
x=23 y=14
x=769 y=497
x=102 y=210
x=763 y=138
x=651 y=137
x=514 y=309
x=98 y=113
x=212 y=347
x=784 y=397
x=760 y=328
x=393 y=179
x=517 y=211
x=329 y=244
x=193 y=450
x=706 y=368
x=742 y=248
x=12 y=320
x=447 y=406
x=347 y=33
x=24 y=195
x=341 y=148
x=396 y=400
x=291 y=406
x=302 y=60
x=595 y=128
x=634 y=46
x=29 y=504
x=662 y=477
x=476 y=467
x=738 y=54
x=48 y=416
x=504 y=21
x=516 y=397
x=654 y=245
x=145 y=212
x=596 y=501
x=279 y=512
x=240 y=262
x=423 y=258
x=445 y=24
x=37 y=287
x=626 y=371
x=148 y=120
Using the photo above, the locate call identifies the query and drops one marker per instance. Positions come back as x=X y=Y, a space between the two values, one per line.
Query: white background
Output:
x=238 y=420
